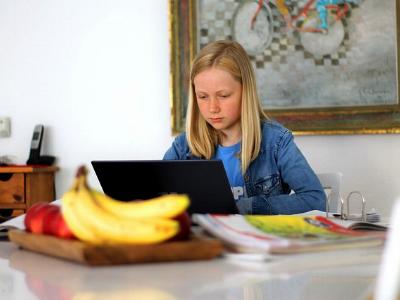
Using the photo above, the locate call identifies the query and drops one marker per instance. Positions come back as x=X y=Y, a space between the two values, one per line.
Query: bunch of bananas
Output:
x=96 y=218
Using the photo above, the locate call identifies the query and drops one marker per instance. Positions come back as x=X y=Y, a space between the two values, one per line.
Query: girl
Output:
x=225 y=121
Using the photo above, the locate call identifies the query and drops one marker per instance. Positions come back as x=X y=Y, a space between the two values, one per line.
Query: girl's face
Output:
x=219 y=98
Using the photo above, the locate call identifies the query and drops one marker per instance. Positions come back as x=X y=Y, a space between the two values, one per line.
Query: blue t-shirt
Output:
x=231 y=161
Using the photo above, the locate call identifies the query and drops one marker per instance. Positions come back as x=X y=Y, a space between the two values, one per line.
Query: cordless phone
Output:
x=36 y=143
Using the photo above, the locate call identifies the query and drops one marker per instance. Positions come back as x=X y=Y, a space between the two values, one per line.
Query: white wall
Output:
x=95 y=73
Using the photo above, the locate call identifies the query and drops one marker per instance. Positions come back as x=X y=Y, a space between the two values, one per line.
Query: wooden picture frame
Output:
x=352 y=90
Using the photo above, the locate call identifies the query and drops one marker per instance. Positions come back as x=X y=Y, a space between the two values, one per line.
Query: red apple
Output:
x=185 y=223
x=31 y=212
x=61 y=228
x=39 y=216
x=49 y=217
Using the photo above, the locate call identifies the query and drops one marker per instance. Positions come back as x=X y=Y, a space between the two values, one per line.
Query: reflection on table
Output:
x=346 y=274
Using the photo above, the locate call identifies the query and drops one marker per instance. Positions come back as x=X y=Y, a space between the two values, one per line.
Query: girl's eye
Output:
x=201 y=97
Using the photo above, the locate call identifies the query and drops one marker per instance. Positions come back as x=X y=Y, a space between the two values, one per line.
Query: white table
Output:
x=349 y=274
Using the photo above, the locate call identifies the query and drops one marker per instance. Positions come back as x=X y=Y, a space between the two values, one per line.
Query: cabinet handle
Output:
x=17 y=197
x=5 y=176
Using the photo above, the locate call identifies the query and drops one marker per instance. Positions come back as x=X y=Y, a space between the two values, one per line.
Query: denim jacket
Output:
x=278 y=181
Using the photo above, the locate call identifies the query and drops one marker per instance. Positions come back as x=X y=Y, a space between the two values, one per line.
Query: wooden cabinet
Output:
x=22 y=186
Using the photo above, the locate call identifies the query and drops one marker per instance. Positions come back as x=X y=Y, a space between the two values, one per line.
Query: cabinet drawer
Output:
x=12 y=188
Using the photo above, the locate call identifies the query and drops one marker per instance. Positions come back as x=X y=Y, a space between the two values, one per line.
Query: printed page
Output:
x=284 y=234
x=17 y=222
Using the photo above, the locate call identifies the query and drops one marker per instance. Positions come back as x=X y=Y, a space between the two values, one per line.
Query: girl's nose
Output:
x=214 y=105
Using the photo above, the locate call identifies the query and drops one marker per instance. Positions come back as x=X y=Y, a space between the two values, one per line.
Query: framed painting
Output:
x=321 y=69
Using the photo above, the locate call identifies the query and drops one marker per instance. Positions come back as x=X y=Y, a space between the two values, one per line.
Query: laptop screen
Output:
x=205 y=182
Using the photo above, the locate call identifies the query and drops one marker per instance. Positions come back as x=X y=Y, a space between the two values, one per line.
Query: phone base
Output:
x=41 y=160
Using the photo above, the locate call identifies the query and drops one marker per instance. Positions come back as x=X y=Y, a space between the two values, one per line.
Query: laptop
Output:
x=205 y=182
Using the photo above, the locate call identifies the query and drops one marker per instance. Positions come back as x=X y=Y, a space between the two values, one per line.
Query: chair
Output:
x=331 y=183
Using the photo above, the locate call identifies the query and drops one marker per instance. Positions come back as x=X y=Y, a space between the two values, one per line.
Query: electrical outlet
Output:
x=5 y=127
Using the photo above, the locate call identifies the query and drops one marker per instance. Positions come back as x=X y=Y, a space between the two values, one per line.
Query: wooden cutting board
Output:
x=196 y=248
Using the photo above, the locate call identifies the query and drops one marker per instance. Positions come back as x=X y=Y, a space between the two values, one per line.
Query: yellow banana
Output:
x=69 y=200
x=106 y=227
x=110 y=228
x=82 y=232
x=167 y=206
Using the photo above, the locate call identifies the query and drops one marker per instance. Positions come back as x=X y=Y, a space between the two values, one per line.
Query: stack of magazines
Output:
x=285 y=234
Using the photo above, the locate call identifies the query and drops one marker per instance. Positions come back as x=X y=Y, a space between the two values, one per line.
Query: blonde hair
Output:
x=202 y=137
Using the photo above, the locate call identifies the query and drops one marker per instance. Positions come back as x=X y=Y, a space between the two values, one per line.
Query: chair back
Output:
x=331 y=183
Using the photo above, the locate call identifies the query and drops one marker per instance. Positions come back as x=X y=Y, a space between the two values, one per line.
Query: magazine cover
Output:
x=284 y=234
x=309 y=227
